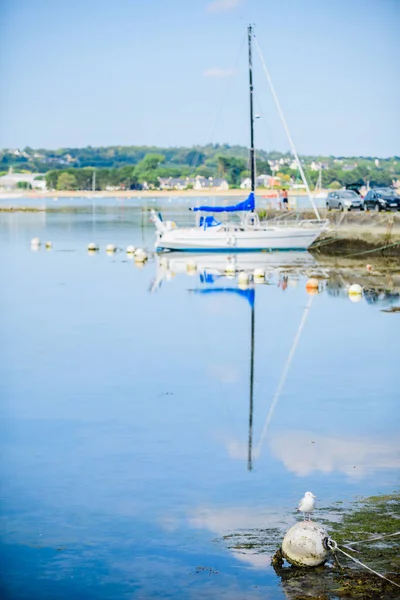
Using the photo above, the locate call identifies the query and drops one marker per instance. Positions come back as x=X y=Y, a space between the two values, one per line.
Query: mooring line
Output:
x=334 y=547
x=379 y=537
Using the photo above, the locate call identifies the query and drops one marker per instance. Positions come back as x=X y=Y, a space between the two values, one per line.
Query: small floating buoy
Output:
x=191 y=267
x=110 y=248
x=304 y=545
x=312 y=287
x=140 y=255
x=243 y=279
x=230 y=268
x=258 y=275
x=312 y=284
x=35 y=242
x=49 y=245
x=355 y=290
x=93 y=247
x=130 y=249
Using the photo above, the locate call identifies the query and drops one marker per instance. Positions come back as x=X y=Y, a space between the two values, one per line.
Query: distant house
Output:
x=11 y=180
x=220 y=184
x=266 y=181
x=203 y=183
x=173 y=183
x=261 y=181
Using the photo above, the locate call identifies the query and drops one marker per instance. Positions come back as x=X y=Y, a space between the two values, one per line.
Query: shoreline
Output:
x=142 y=194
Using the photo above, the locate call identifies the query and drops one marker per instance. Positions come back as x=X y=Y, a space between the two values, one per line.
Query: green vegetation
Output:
x=128 y=167
x=24 y=185
x=66 y=181
x=361 y=521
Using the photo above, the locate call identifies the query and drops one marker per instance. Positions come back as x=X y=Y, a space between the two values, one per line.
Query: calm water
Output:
x=129 y=447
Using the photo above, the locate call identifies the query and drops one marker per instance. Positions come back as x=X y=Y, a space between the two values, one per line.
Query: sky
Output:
x=174 y=73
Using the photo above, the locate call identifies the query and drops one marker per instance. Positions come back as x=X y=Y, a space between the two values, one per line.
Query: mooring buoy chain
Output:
x=332 y=545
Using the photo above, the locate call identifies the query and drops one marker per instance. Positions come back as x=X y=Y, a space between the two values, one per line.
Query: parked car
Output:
x=384 y=198
x=344 y=199
x=356 y=187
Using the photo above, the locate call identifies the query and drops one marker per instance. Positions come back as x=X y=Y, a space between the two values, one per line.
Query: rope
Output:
x=289 y=137
x=374 y=249
x=379 y=537
x=334 y=547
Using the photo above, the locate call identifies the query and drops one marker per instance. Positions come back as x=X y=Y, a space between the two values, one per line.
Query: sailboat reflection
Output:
x=249 y=294
x=209 y=266
x=238 y=274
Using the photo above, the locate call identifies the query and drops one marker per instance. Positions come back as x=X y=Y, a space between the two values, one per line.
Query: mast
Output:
x=250 y=442
x=94 y=181
x=252 y=159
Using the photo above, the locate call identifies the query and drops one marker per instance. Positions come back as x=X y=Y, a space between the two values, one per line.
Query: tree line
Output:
x=233 y=170
x=150 y=169
x=130 y=166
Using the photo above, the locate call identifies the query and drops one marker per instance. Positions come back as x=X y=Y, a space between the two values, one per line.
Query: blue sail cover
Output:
x=248 y=204
x=247 y=294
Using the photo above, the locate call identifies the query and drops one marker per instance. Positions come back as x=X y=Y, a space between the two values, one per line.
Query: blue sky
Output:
x=166 y=73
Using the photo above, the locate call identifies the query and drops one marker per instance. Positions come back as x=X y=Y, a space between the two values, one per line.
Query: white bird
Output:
x=307 y=505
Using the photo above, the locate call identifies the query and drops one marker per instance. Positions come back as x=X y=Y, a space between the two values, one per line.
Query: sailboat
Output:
x=247 y=235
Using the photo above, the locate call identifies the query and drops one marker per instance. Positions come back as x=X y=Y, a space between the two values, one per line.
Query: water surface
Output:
x=131 y=444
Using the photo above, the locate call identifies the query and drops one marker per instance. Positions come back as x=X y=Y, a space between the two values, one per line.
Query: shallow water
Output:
x=130 y=450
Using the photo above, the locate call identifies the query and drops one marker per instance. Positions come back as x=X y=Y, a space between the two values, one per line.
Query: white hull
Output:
x=284 y=237
x=216 y=262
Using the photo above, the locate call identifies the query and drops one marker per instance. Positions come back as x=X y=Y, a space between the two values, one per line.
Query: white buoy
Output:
x=355 y=290
x=304 y=544
x=191 y=267
x=259 y=275
x=355 y=298
x=230 y=268
x=110 y=248
x=130 y=249
x=243 y=279
x=35 y=242
x=49 y=245
x=140 y=255
x=93 y=247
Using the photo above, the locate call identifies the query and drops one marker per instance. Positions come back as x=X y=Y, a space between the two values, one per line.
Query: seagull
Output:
x=307 y=505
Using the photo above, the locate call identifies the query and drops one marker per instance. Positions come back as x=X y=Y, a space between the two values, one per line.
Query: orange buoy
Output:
x=312 y=286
